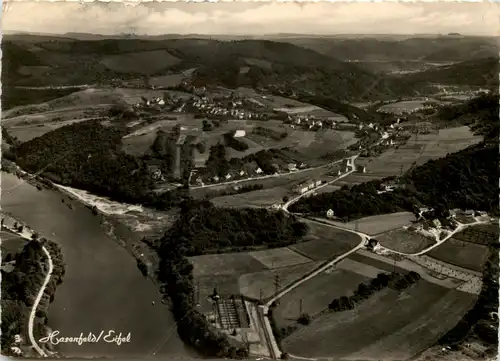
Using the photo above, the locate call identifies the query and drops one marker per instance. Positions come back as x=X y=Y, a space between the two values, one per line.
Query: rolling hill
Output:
x=229 y=63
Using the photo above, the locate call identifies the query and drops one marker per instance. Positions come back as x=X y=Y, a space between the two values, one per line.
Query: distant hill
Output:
x=231 y=63
x=416 y=48
x=477 y=72
x=314 y=65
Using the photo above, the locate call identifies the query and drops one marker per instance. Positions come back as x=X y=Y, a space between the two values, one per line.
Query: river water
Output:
x=103 y=289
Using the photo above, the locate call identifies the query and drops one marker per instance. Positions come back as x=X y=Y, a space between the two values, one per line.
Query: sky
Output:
x=252 y=18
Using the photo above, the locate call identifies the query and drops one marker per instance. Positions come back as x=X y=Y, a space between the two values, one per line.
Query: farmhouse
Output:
x=239 y=133
x=318 y=183
x=292 y=167
x=330 y=213
x=304 y=187
x=436 y=223
x=258 y=171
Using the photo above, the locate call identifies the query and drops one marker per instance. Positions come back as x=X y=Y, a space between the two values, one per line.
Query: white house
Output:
x=361 y=169
x=239 y=133
x=216 y=178
x=242 y=173
x=292 y=167
x=436 y=223
x=330 y=213
x=318 y=183
x=258 y=171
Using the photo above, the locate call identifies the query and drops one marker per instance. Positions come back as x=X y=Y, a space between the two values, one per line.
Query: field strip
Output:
x=411 y=266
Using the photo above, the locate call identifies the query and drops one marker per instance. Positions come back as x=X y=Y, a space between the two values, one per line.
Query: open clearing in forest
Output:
x=402 y=240
x=421 y=149
x=390 y=325
x=463 y=254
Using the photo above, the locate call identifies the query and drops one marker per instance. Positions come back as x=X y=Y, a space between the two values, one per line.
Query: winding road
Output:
x=31 y=320
x=264 y=309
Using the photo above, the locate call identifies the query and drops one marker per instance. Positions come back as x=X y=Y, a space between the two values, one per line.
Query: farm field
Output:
x=316 y=294
x=230 y=272
x=374 y=225
x=142 y=62
x=463 y=254
x=390 y=325
x=323 y=242
x=286 y=181
x=405 y=241
x=11 y=243
x=257 y=284
x=278 y=257
x=427 y=147
x=359 y=268
x=484 y=234
x=258 y=198
x=310 y=144
x=404 y=106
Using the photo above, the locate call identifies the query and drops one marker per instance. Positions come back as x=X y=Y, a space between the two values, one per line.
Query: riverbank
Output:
x=100 y=275
x=52 y=270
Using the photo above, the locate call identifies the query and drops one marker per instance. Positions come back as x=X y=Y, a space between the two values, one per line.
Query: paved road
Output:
x=294 y=200
x=264 y=309
x=266 y=176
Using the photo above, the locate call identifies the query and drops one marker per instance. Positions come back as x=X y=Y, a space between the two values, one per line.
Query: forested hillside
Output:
x=467 y=179
x=204 y=228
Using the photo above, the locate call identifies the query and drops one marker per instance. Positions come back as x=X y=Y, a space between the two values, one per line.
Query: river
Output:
x=103 y=289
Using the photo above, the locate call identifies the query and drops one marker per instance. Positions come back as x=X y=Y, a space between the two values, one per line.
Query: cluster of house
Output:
x=307 y=186
x=249 y=172
x=232 y=107
x=201 y=180
x=155 y=101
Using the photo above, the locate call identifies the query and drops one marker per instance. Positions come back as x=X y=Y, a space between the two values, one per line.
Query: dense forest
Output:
x=88 y=156
x=480 y=110
x=204 y=228
x=467 y=179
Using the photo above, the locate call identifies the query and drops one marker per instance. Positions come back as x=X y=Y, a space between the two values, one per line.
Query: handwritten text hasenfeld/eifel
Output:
x=110 y=337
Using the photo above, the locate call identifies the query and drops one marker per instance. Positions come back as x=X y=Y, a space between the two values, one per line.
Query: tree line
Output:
x=204 y=228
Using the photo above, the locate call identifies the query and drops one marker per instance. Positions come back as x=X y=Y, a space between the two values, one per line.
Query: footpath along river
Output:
x=103 y=289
